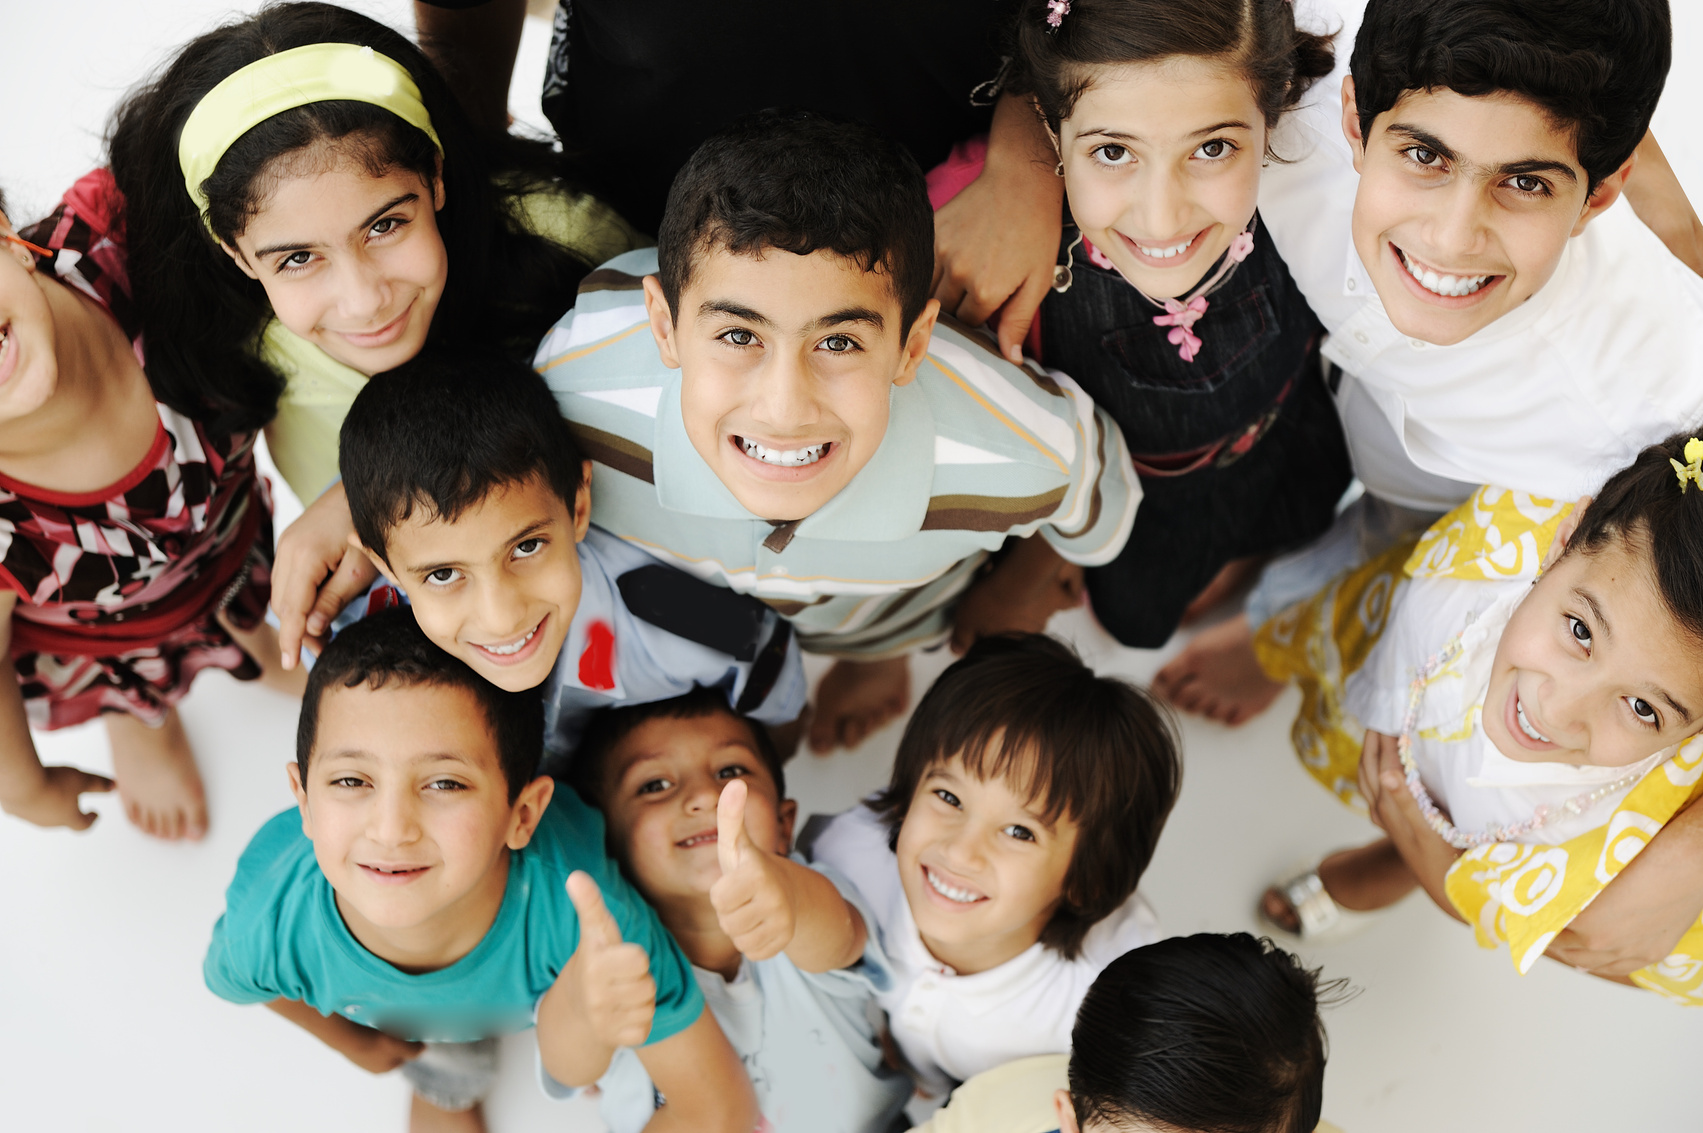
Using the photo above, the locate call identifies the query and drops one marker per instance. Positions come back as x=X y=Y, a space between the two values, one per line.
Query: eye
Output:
x=947 y=797
x=838 y=344
x=443 y=576
x=386 y=226
x=526 y=548
x=655 y=786
x=446 y=785
x=1532 y=186
x=733 y=771
x=1645 y=711
x=1580 y=631
x=295 y=261
x=1419 y=155
x=739 y=336
x=1112 y=155
x=1215 y=150
x=1021 y=833
x=348 y=781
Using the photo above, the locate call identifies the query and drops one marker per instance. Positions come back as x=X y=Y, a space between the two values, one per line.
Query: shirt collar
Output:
x=886 y=501
x=1497 y=770
x=596 y=607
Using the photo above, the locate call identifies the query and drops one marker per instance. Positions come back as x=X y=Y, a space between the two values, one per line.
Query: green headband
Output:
x=319 y=72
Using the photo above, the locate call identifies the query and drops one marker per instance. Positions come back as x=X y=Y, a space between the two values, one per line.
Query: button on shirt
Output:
x=976 y=449
x=951 y=1027
x=1552 y=398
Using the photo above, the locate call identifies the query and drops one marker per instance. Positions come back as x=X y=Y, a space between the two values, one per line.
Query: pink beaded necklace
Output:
x=1180 y=314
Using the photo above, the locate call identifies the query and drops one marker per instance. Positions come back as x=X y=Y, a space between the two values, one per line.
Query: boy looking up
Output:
x=777 y=409
x=468 y=492
x=428 y=893
x=695 y=799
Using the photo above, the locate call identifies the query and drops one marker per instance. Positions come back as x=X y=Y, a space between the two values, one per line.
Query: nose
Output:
x=392 y=819
x=501 y=611
x=363 y=292
x=702 y=794
x=784 y=398
x=1457 y=229
x=964 y=851
x=1163 y=207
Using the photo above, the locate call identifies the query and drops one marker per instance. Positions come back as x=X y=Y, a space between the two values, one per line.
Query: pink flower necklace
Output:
x=1182 y=314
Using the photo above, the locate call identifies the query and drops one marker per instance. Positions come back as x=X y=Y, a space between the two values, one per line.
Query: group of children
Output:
x=578 y=504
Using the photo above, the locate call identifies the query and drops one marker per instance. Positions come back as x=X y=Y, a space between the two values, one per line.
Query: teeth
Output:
x=962 y=896
x=509 y=650
x=699 y=839
x=1166 y=253
x=1526 y=725
x=784 y=458
x=1453 y=286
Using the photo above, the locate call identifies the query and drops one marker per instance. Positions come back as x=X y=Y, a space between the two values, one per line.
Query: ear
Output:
x=377 y=560
x=1065 y=1110
x=1351 y=123
x=661 y=322
x=9 y=241
x=439 y=196
x=786 y=815
x=1564 y=533
x=1052 y=134
x=916 y=343
x=1605 y=194
x=298 y=789
x=528 y=811
x=582 y=502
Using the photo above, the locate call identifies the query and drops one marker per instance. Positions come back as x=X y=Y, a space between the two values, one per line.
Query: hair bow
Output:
x=1692 y=470
x=1057 y=10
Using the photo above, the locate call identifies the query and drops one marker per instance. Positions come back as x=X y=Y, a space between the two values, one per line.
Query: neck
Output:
x=982 y=955
x=445 y=937
x=90 y=351
x=693 y=923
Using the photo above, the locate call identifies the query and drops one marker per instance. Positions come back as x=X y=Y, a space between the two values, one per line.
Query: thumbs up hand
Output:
x=754 y=899
x=609 y=981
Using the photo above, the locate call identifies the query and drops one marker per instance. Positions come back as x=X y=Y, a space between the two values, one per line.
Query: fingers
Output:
x=597 y=927
x=1018 y=314
x=349 y=581
x=976 y=309
x=89 y=781
x=731 y=839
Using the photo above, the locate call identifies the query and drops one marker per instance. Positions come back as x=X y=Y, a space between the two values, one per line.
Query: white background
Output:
x=105 y=1023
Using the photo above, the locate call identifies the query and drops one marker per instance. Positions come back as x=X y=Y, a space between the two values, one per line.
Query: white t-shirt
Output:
x=1550 y=399
x=952 y=1027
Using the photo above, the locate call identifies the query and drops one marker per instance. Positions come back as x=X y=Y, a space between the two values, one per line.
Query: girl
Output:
x=1000 y=864
x=137 y=543
x=1543 y=714
x=1170 y=307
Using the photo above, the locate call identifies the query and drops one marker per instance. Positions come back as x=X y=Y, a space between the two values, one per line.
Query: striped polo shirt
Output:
x=976 y=450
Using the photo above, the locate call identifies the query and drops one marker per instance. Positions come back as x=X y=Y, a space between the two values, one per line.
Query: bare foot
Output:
x=156 y=776
x=1233 y=578
x=1365 y=878
x=1217 y=675
x=261 y=643
x=424 y=1117
x=857 y=697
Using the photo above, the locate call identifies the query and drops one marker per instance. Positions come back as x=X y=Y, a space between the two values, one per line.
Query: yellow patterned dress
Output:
x=1514 y=893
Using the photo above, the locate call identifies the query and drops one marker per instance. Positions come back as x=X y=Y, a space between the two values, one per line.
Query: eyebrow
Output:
x=1589 y=599
x=850 y=315
x=737 y=310
x=302 y=245
x=1523 y=167
x=1119 y=135
x=520 y=536
x=357 y=755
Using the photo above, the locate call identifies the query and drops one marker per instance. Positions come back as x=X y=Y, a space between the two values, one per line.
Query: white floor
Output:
x=105 y=1024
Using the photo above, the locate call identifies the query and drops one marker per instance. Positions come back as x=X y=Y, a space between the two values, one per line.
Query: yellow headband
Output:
x=319 y=72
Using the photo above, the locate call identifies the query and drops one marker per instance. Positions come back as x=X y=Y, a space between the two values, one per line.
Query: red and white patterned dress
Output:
x=118 y=588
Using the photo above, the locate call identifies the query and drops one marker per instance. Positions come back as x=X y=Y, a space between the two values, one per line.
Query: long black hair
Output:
x=202 y=317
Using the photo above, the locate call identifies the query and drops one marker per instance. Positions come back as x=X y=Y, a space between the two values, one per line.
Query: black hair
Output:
x=800 y=182
x=1024 y=708
x=443 y=431
x=1208 y=1033
x=389 y=646
x=1643 y=506
x=1594 y=66
x=608 y=727
x=202 y=318
x=1256 y=37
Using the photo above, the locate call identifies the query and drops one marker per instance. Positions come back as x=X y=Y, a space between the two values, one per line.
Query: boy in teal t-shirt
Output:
x=418 y=902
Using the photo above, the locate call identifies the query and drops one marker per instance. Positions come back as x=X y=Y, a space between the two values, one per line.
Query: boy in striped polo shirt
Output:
x=775 y=405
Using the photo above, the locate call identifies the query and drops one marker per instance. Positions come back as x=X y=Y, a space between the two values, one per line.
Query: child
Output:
x=470 y=495
x=1000 y=864
x=1492 y=319
x=1192 y=1034
x=775 y=409
x=1172 y=307
x=695 y=800
x=1542 y=716
x=136 y=543
x=429 y=890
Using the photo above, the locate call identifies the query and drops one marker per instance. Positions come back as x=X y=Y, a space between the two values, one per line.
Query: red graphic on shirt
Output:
x=382 y=598
x=597 y=663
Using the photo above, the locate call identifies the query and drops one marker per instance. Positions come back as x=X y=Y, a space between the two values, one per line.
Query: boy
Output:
x=695 y=799
x=468 y=492
x=824 y=445
x=1492 y=318
x=414 y=903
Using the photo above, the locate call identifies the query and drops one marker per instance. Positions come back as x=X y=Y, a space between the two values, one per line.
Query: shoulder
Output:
x=579 y=222
x=1006 y=412
x=1014 y=1098
x=1131 y=925
x=269 y=901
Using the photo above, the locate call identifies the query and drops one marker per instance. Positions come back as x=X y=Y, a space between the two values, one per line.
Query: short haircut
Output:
x=1595 y=67
x=389 y=647
x=800 y=182
x=442 y=432
x=1644 y=507
x=1208 y=1033
x=1025 y=709
x=610 y=726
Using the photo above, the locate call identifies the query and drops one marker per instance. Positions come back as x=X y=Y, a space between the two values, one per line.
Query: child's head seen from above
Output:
x=1199 y=1034
x=1026 y=800
x=467 y=490
x=795 y=261
x=1602 y=663
x=415 y=777
x=1161 y=113
x=657 y=772
x=1487 y=133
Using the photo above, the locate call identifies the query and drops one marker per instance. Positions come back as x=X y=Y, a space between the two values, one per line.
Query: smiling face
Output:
x=498 y=587
x=1465 y=206
x=29 y=360
x=1162 y=167
x=659 y=787
x=982 y=869
x=409 y=814
x=787 y=363
x=351 y=262
x=1592 y=669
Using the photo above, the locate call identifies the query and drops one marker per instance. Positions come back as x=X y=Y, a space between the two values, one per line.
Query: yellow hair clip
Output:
x=1692 y=470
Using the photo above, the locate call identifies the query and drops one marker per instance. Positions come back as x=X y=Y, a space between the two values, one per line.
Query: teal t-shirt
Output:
x=281 y=936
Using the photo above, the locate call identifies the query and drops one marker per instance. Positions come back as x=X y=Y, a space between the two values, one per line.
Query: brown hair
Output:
x=609 y=726
x=1256 y=37
x=1025 y=709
